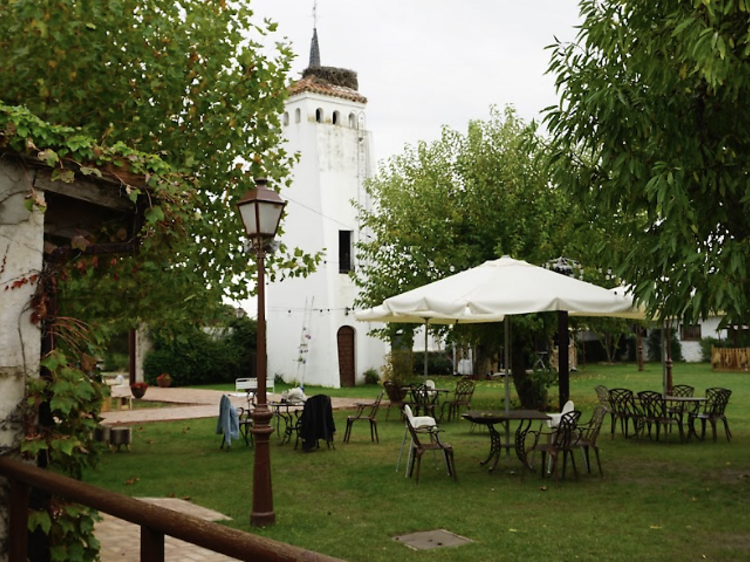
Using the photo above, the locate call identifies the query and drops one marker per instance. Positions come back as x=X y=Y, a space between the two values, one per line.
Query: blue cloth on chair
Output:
x=229 y=421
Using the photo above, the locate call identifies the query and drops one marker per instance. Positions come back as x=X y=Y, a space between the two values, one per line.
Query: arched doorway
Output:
x=345 y=341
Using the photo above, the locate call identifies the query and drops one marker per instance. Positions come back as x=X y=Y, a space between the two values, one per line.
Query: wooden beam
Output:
x=109 y=196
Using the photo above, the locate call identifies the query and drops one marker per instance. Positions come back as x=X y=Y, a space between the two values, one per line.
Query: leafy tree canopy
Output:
x=654 y=114
x=444 y=207
x=187 y=81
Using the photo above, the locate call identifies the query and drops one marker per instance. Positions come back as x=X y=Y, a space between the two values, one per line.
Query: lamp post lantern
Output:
x=261 y=210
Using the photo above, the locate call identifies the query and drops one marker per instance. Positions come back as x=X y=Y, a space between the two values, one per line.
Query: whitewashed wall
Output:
x=21 y=246
x=304 y=315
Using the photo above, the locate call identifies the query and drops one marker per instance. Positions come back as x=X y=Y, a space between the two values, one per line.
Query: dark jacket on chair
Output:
x=316 y=422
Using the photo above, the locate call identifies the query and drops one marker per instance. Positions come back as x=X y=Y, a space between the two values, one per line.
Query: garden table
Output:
x=490 y=418
x=288 y=412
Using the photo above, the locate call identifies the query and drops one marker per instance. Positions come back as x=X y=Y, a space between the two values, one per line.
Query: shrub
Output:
x=372 y=376
x=706 y=345
x=438 y=363
x=654 y=346
x=196 y=357
x=114 y=361
x=398 y=367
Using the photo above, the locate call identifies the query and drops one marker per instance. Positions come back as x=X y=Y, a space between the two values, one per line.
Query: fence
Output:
x=155 y=521
x=730 y=358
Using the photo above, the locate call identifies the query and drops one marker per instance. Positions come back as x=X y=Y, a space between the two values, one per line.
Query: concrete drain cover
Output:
x=426 y=540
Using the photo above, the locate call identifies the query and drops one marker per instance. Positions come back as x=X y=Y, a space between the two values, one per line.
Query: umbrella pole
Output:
x=563 y=359
x=507 y=363
x=507 y=390
x=426 y=356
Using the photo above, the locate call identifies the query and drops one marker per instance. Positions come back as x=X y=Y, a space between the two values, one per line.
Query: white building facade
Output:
x=312 y=335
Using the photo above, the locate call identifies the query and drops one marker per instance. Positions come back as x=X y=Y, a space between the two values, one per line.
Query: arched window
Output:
x=285 y=120
x=297 y=115
x=352 y=120
x=319 y=115
x=335 y=118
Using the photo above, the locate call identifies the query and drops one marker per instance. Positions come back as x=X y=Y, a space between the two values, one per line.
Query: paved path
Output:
x=189 y=403
x=119 y=539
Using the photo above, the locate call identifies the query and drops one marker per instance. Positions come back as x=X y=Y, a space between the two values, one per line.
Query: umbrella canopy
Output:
x=488 y=292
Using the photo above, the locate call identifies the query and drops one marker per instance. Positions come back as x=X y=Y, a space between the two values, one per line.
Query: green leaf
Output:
x=40 y=519
x=154 y=214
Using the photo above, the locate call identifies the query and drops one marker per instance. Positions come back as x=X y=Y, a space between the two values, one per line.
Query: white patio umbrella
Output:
x=489 y=292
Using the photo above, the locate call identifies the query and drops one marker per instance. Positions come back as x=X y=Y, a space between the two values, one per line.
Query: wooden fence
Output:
x=730 y=358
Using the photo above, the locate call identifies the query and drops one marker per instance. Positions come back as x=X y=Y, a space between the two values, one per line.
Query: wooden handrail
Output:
x=155 y=521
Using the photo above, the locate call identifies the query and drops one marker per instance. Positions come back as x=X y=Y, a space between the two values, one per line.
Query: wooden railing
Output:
x=730 y=358
x=155 y=521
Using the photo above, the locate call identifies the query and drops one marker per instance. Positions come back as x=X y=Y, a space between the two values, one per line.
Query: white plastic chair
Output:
x=417 y=422
x=554 y=420
x=430 y=385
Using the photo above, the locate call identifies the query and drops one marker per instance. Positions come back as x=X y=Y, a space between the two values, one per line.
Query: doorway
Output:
x=345 y=341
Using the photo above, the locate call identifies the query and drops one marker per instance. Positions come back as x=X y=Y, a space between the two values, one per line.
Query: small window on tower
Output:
x=335 y=118
x=286 y=118
x=352 y=121
x=319 y=115
x=297 y=115
x=345 y=251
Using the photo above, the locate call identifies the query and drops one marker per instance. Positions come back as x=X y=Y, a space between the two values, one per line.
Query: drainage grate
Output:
x=426 y=540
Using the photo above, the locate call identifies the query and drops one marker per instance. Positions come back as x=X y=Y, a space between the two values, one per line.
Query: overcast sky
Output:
x=426 y=63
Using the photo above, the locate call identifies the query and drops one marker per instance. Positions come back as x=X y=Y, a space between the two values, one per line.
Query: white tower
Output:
x=312 y=335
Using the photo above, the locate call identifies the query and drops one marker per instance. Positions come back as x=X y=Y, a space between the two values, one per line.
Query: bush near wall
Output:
x=196 y=357
x=438 y=363
x=654 y=346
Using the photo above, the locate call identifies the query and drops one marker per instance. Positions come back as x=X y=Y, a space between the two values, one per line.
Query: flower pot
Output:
x=163 y=381
x=137 y=392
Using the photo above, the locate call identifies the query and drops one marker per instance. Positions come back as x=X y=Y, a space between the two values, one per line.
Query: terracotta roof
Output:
x=316 y=85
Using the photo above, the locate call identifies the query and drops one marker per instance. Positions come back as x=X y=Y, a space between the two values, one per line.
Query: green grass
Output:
x=656 y=502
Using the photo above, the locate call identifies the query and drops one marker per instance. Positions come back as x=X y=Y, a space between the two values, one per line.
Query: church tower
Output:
x=313 y=337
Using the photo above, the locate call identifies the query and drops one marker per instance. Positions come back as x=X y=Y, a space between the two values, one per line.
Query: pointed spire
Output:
x=314 y=50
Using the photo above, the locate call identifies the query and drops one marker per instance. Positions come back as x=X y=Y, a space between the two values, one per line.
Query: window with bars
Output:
x=690 y=332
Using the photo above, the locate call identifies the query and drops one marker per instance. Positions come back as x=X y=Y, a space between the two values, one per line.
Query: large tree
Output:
x=466 y=198
x=190 y=82
x=654 y=113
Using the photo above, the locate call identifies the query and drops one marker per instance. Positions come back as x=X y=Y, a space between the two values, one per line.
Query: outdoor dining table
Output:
x=490 y=418
x=286 y=412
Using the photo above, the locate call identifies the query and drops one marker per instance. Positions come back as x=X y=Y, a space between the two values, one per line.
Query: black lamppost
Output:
x=261 y=210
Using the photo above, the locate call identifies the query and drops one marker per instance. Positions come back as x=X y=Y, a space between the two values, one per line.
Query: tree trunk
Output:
x=527 y=393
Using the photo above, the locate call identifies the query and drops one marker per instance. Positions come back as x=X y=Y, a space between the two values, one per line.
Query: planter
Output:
x=164 y=380
x=138 y=392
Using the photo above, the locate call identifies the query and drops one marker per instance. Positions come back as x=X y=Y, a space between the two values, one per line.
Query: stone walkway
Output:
x=120 y=540
x=189 y=403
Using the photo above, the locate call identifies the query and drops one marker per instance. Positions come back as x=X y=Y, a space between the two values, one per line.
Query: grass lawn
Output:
x=656 y=502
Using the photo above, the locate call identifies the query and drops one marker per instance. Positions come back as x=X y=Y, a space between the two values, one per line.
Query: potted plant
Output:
x=164 y=380
x=138 y=389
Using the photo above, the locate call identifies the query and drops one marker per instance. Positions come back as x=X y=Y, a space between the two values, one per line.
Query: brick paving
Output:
x=120 y=540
